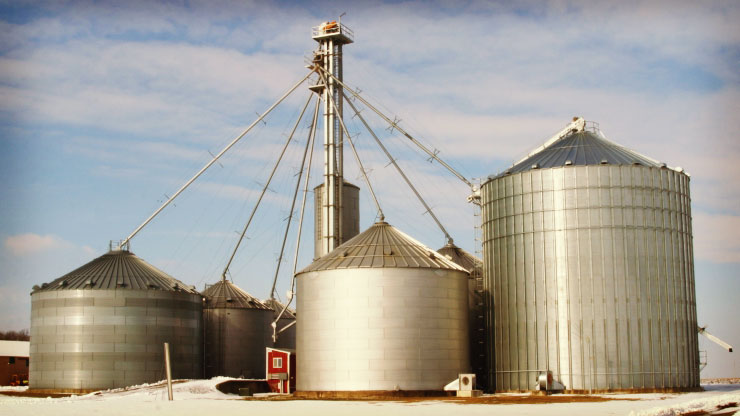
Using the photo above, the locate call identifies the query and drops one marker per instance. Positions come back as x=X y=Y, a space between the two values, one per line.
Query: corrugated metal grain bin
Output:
x=588 y=254
x=381 y=312
x=287 y=338
x=237 y=331
x=476 y=308
x=103 y=325
x=350 y=215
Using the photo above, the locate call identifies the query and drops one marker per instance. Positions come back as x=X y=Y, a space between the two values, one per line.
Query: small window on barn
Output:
x=11 y=360
x=277 y=362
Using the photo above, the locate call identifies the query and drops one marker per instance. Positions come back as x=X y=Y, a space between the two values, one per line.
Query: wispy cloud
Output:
x=25 y=244
x=719 y=238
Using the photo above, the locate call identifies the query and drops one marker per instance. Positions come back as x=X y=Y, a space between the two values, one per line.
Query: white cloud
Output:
x=25 y=244
x=716 y=237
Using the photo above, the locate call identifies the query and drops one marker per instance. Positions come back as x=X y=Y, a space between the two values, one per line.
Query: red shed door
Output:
x=277 y=371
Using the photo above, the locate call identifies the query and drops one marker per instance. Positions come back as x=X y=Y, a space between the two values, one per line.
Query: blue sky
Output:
x=106 y=107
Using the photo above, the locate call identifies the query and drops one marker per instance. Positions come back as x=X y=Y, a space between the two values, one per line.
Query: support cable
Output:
x=291 y=293
x=394 y=124
x=264 y=190
x=215 y=158
x=357 y=157
x=292 y=208
x=400 y=171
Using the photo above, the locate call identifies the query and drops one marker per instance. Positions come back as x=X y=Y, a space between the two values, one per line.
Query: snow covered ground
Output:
x=201 y=397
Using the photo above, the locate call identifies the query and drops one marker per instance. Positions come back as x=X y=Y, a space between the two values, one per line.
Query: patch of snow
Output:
x=198 y=397
x=707 y=404
x=13 y=388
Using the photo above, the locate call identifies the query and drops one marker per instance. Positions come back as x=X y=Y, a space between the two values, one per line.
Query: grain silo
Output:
x=381 y=312
x=476 y=307
x=588 y=254
x=350 y=214
x=285 y=339
x=237 y=331
x=103 y=326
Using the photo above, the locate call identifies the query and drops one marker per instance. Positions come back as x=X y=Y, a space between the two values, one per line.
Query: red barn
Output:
x=281 y=370
x=13 y=361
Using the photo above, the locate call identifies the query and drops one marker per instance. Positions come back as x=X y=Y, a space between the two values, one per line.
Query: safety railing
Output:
x=332 y=28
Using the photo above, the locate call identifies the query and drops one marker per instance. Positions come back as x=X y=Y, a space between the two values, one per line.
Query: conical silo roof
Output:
x=461 y=257
x=382 y=246
x=580 y=148
x=225 y=294
x=119 y=270
x=277 y=307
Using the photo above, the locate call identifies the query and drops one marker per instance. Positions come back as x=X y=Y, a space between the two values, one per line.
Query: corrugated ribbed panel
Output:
x=225 y=294
x=382 y=246
x=117 y=269
x=277 y=307
x=579 y=149
x=461 y=257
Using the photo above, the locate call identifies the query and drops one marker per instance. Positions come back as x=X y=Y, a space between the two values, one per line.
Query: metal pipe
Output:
x=290 y=215
x=393 y=124
x=400 y=172
x=300 y=226
x=168 y=370
x=215 y=158
x=287 y=326
x=357 y=158
x=264 y=190
x=703 y=331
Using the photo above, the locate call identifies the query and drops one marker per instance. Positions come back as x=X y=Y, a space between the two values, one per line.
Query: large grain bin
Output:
x=350 y=215
x=381 y=312
x=476 y=308
x=588 y=253
x=237 y=331
x=103 y=326
x=287 y=338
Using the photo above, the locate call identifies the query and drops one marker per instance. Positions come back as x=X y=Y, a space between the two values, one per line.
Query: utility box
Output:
x=467 y=382
x=281 y=370
x=547 y=383
x=466 y=386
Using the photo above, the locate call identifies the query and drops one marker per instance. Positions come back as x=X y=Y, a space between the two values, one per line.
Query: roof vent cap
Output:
x=604 y=162
x=536 y=166
x=120 y=283
x=229 y=299
x=568 y=162
x=153 y=286
x=387 y=251
x=663 y=165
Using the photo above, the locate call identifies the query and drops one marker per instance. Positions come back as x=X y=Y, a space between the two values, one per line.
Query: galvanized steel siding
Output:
x=592 y=277
x=101 y=339
x=381 y=329
x=235 y=341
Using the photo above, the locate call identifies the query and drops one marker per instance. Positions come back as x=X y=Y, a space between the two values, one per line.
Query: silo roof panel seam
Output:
x=106 y=270
x=218 y=293
x=581 y=148
x=382 y=246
